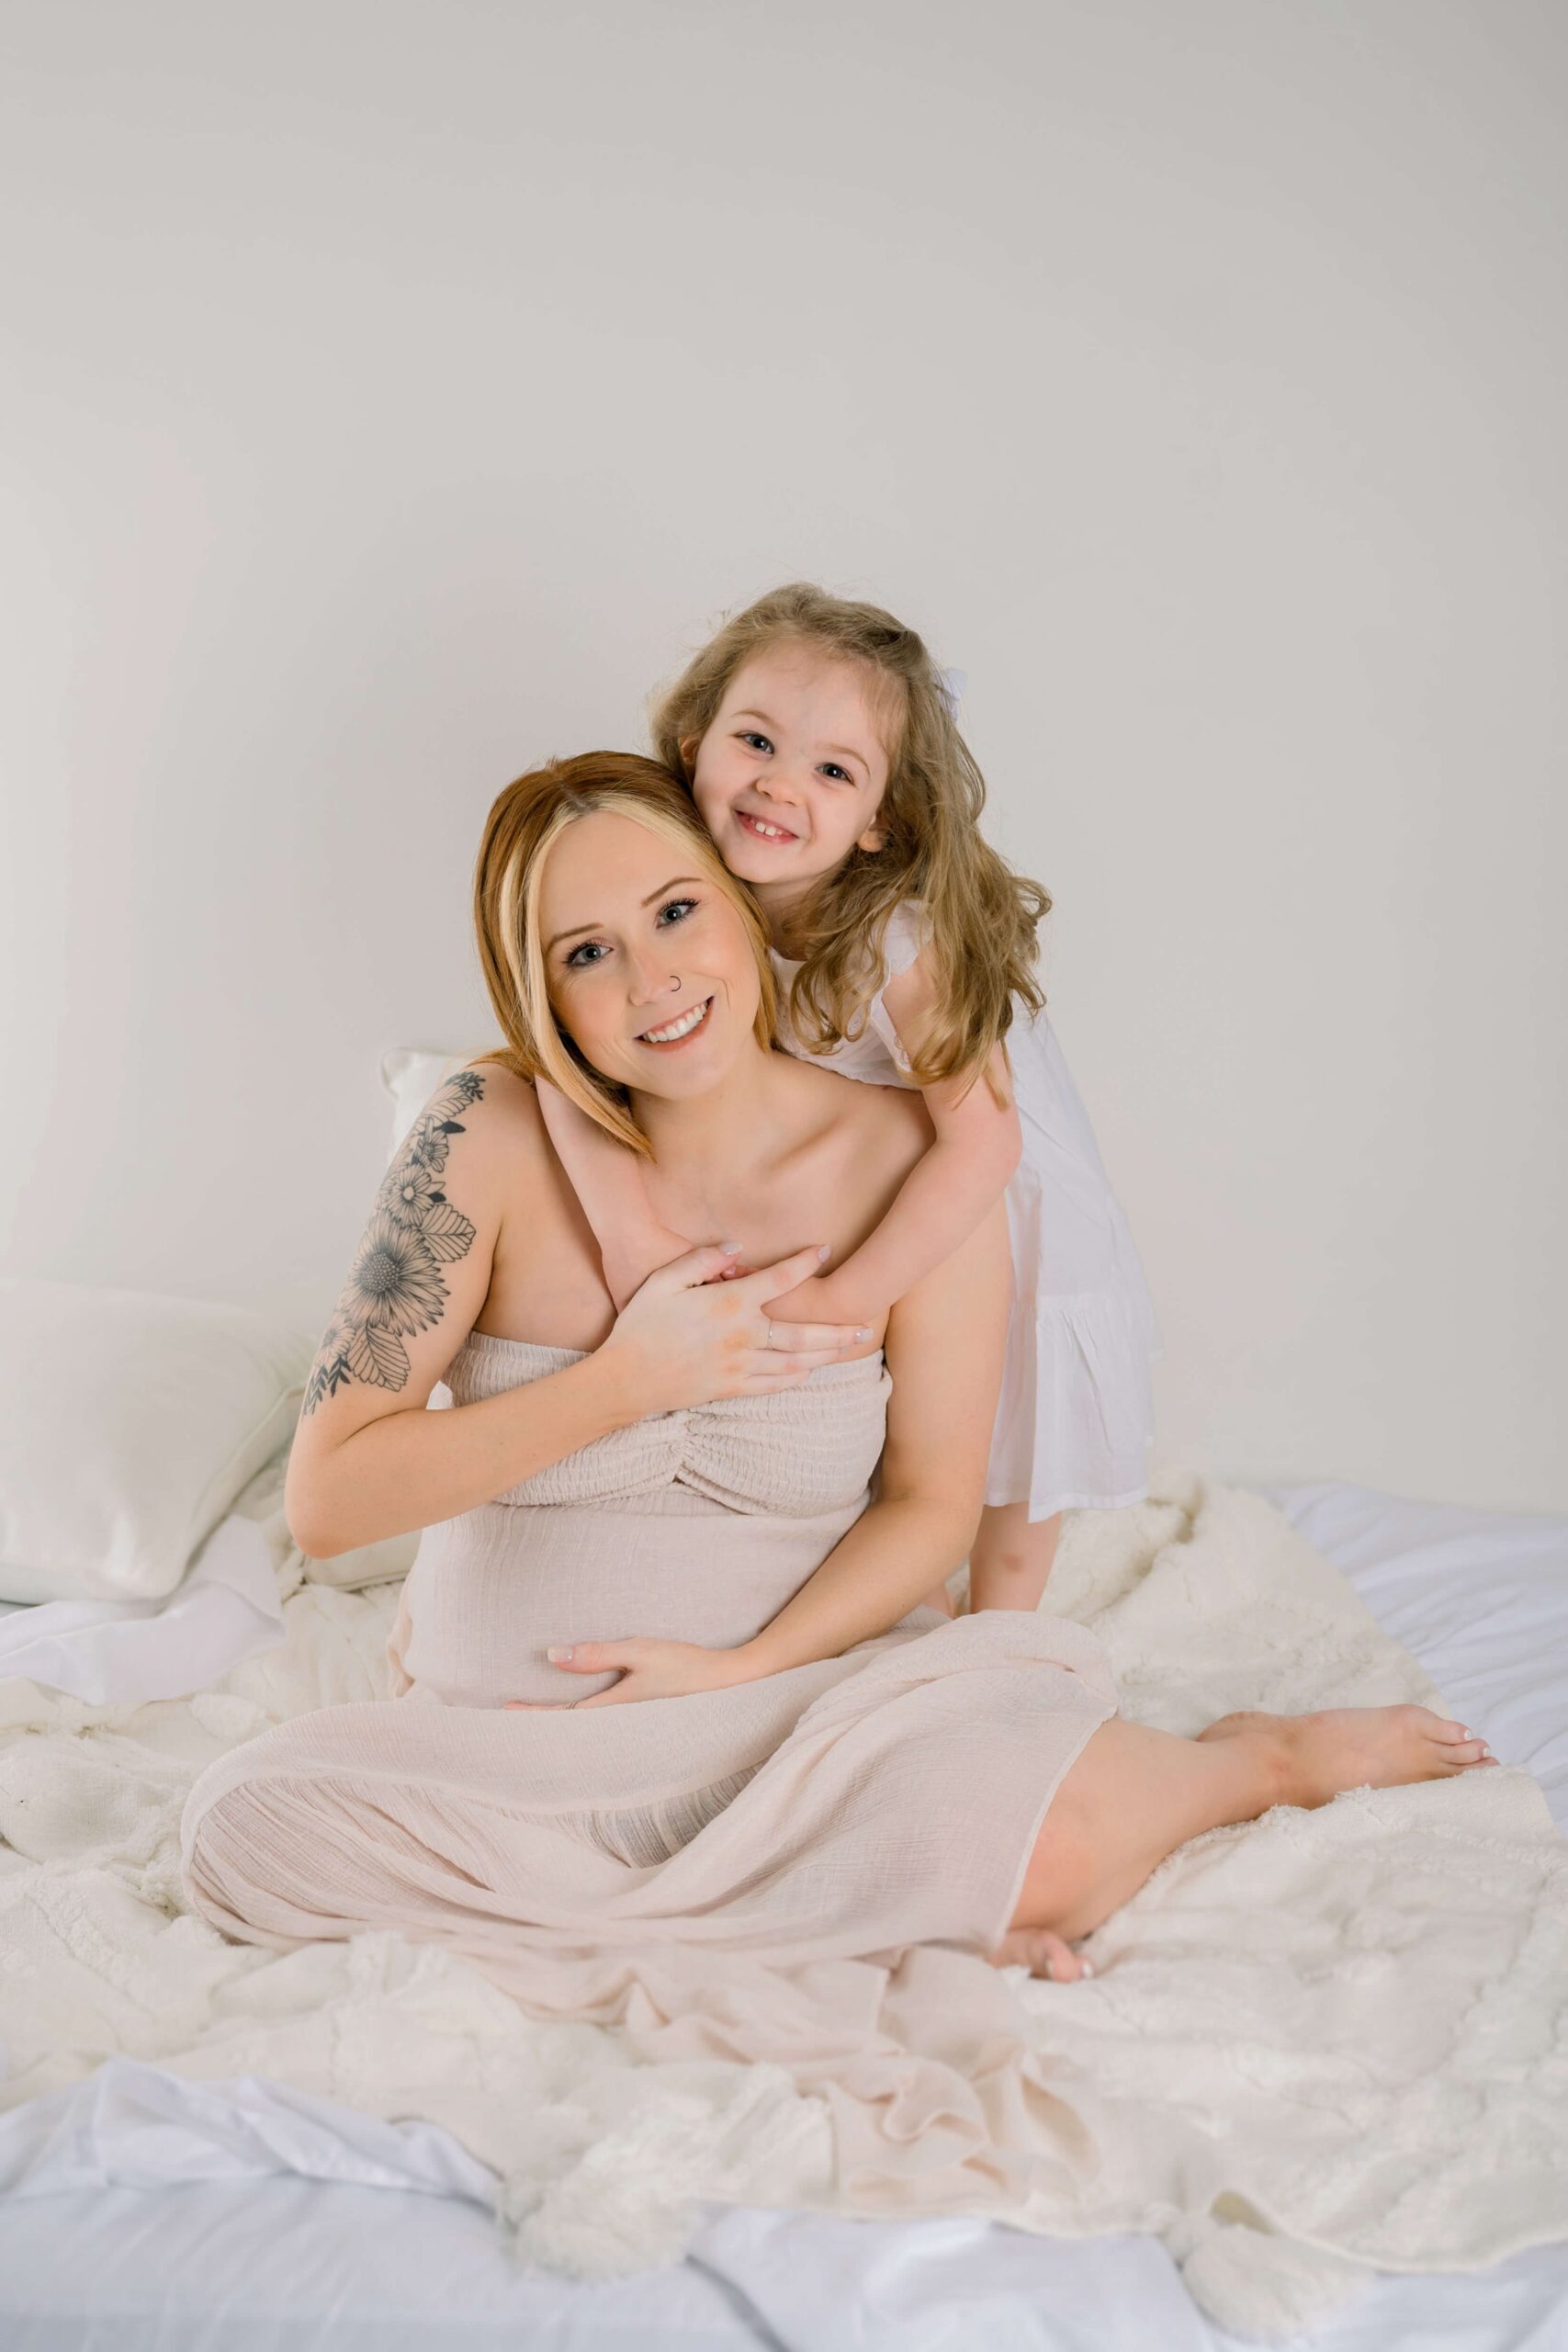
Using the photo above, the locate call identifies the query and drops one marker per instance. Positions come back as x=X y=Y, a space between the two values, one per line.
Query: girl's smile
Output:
x=790 y=774
x=761 y=828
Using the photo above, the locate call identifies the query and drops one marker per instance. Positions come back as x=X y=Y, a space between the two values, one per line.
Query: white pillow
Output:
x=411 y=1076
x=129 y=1422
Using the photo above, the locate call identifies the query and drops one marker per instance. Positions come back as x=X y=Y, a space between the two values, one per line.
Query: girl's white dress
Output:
x=1076 y=1419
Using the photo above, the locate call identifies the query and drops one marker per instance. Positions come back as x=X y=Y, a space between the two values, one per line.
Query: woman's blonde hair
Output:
x=982 y=916
x=524 y=821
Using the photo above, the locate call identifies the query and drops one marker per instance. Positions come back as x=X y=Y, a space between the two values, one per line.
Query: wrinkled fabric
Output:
x=819 y=1813
x=1315 y=2045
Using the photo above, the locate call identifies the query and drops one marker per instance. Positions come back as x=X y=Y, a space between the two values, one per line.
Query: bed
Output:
x=266 y=2256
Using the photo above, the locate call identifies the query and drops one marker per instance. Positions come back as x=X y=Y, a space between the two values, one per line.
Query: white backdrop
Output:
x=394 y=392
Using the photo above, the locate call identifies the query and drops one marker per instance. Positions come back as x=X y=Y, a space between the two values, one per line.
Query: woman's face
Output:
x=790 y=775
x=637 y=940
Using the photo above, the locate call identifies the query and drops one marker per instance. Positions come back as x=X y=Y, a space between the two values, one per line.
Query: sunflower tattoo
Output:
x=395 y=1287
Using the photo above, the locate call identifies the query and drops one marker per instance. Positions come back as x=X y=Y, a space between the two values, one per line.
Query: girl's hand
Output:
x=838 y=1297
x=648 y=1670
x=688 y=1338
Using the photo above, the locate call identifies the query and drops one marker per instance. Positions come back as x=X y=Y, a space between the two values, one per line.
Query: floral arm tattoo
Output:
x=395 y=1287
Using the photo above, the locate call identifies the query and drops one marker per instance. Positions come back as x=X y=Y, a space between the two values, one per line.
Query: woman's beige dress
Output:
x=843 y=1810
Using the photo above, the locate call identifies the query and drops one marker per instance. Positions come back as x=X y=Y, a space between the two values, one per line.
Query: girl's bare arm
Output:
x=608 y=1184
x=963 y=1175
x=944 y=1351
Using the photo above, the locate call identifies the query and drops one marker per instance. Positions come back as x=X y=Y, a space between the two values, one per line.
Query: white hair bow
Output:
x=951 y=683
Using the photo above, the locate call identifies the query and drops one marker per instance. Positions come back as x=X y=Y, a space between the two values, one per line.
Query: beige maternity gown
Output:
x=851 y=1808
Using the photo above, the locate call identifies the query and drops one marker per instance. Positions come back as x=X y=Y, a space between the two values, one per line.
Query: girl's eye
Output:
x=750 y=735
x=832 y=767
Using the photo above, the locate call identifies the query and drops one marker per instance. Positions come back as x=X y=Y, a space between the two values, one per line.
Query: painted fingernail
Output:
x=1088 y=1968
x=863 y=1333
x=561 y=1656
x=730 y=1248
x=825 y=1249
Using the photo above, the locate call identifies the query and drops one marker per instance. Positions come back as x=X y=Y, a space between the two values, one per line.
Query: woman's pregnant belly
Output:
x=492 y=1590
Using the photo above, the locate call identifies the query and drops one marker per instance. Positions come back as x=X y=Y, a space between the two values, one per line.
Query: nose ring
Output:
x=675 y=980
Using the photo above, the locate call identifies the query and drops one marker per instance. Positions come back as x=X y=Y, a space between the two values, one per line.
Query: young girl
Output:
x=820 y=747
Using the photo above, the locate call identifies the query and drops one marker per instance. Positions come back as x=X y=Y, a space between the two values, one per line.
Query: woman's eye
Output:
x=678 y=908
x=588 y=946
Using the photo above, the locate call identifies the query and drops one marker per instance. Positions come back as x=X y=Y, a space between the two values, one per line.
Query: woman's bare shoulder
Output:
x=541 y=1217
x=503 y=1081
x=879 y=1131
x=511 y=1105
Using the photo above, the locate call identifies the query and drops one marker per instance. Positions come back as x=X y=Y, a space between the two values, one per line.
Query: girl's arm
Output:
x=944 y=1351
x=978 y=1145
x=608 y=1183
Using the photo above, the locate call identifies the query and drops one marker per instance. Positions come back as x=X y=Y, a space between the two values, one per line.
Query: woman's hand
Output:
x=689 y=1336
x=648 y=1670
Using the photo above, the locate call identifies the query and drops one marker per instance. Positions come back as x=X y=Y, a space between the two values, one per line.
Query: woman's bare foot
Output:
x=1042 y=1954
x=1318 y=1755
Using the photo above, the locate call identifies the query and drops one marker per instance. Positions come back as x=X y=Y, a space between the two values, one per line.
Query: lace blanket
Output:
x=1314 y=2044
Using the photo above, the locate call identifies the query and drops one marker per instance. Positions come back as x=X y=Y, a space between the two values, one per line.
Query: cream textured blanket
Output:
x=1318 y=2043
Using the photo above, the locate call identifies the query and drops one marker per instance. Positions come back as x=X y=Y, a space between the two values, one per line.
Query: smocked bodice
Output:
x=692 y=1526
x=796 y=1451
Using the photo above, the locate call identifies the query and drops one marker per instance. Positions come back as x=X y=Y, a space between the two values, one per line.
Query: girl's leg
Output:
x=1134 y=1795
x=1011 y=1560
x=1008 y=1561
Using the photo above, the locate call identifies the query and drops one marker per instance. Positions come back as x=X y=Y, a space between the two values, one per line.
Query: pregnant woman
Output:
x=787 y=1758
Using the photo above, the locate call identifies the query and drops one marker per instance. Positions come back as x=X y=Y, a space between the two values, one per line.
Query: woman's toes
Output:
x=1042 y=1954
x=1057 y=1960
x=1463 y=1755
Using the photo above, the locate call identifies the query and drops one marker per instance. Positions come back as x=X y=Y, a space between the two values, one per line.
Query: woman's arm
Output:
x=943 y=1348
x=944 y=1351
x=978 y=1145
x=608 y=1183
x=369 y=1461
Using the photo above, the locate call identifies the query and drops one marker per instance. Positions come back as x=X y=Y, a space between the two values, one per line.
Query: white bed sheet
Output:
x=225 y=1609
x=265 y=2257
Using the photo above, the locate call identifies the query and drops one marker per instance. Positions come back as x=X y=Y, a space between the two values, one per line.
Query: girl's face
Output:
x=638 y=939
x=790 y=775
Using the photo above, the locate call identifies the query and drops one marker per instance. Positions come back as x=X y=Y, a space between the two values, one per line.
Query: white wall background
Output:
x=395 y=390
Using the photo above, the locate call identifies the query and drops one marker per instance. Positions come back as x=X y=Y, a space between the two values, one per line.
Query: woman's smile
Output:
x=672 y=1034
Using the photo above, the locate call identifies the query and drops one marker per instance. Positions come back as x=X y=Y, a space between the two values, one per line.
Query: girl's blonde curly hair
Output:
x=982 y=917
